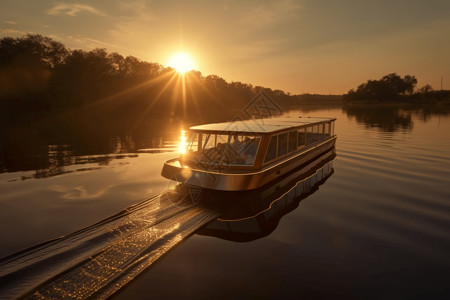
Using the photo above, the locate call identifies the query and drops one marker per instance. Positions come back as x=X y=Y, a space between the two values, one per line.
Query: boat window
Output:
x=272 y=149
x=309 y=136
x=223 y=149
x=326 y=130
x=248 y=150
x=282 y=144
x=193 y=142
x=315 y=133
x=208 y=141
x=212 y=147
x=301 y=137
x=320 y=135
x=292 y=146
x=223 y=139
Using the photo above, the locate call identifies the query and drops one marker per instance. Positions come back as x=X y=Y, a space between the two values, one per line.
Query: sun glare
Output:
x=182 y=62
x=182 y=145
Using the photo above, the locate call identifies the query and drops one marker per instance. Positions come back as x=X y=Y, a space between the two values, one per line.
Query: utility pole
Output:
x=442 y=79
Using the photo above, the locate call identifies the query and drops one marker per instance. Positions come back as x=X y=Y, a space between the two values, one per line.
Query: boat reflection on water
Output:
x=256 y=213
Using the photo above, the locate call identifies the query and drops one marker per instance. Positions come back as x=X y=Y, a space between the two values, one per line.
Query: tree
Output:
x=410 y=82
x=389 y=87
x=26 y=65
x=32 y=47
x=425 y=89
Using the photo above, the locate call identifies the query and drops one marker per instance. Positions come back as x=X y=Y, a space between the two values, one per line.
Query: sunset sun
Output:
x=182 y=62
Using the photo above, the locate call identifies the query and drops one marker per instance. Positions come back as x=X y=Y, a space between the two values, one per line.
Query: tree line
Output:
x=394 y=88
x=41 y=78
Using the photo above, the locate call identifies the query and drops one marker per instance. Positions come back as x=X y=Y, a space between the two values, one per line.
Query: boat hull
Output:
x=227 y=181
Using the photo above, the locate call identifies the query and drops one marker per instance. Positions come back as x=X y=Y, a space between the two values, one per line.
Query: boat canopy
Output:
x=256 y=126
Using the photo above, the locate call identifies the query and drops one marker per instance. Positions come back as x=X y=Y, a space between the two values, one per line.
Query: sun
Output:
x=182 y=62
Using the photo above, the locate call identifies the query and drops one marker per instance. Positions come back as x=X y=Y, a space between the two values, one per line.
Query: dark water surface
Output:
x=375 y=223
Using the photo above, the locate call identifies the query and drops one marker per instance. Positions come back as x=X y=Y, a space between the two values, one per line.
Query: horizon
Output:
x=299 y=47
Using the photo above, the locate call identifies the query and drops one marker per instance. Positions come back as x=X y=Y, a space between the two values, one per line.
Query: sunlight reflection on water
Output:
x=383 y=217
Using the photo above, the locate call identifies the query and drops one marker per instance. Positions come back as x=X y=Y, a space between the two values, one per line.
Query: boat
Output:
x=255 y=214
x=247 y=154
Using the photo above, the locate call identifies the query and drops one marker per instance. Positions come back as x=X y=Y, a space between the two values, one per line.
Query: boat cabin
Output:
x=253 y=144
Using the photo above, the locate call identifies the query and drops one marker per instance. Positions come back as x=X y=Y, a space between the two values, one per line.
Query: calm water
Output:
x=377 y=226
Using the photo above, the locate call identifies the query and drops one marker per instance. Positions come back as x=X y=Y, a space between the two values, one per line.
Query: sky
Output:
x=298 y=46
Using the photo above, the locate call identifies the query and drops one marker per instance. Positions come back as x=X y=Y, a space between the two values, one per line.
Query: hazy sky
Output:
x=304 y=46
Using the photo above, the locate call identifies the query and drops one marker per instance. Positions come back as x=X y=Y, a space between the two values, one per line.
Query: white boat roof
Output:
x=260 y=125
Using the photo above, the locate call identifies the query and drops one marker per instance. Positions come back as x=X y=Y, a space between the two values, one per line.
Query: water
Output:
x=100 y=259
x=377 y=227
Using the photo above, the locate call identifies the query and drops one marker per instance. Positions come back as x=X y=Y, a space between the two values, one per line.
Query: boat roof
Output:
x=260 y=125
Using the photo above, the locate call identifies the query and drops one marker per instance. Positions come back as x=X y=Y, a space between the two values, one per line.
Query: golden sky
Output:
x=304 y=46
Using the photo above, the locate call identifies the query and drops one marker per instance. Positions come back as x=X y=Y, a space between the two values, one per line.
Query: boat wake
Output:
x=100 y=259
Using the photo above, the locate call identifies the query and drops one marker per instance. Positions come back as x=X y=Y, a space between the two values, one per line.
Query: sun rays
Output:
x=176 y=91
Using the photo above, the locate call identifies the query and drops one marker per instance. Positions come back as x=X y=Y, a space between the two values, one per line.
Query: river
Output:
x=375 y=223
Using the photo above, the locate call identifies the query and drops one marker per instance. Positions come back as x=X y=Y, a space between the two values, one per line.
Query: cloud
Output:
x=73 y=9
x=86 y=43
x=93 y=43
x=12 y=32
x=10 y=22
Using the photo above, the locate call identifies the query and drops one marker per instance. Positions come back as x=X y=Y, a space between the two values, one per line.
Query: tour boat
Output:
x=247 y=154
x=255 y=214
